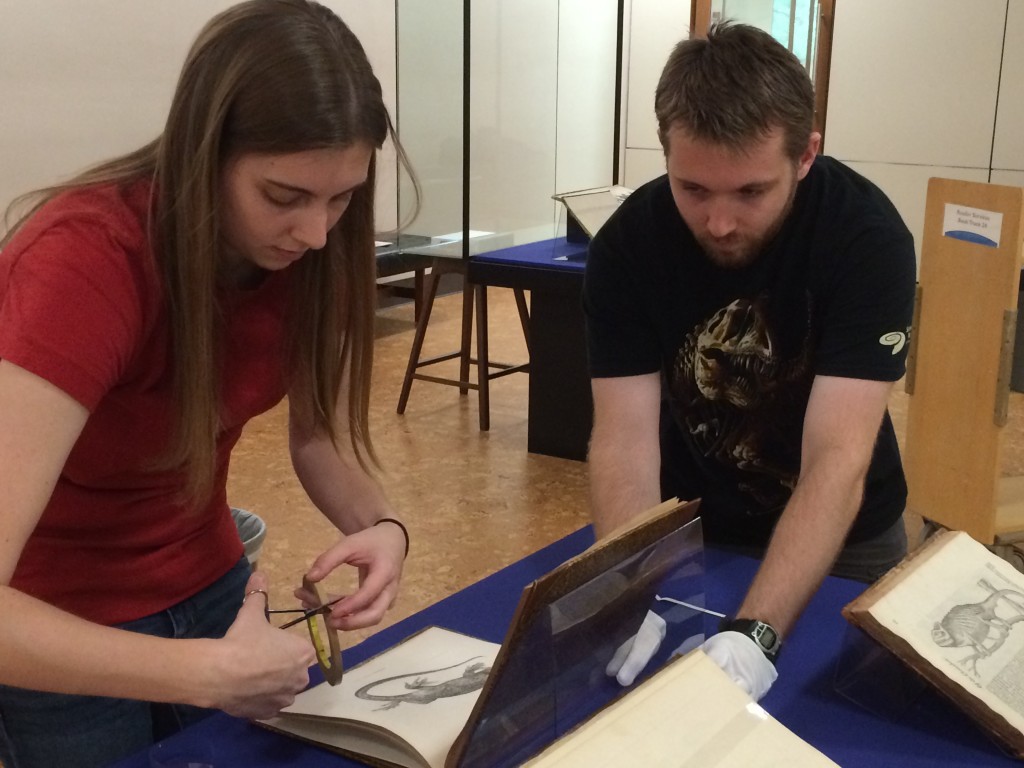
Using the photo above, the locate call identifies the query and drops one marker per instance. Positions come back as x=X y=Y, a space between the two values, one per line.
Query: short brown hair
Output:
x=734 y=86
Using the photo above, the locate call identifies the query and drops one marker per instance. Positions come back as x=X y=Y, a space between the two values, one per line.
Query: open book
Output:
x=658 y=726
x=444 y=699
x=405 y=706
x=954 y=612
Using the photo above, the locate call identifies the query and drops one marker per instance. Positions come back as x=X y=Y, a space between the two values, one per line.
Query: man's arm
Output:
x=840 y=429
x=625 y=456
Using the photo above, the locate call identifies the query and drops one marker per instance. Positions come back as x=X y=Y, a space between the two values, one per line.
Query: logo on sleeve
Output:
x=894 y=339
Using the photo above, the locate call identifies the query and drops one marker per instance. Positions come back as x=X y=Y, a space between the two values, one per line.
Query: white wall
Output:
x=82 y=81
x=912 y=91
x=586 y=93
x=915 y=89
x=654 y=28
x=430 y=111
x=541 y=110
x=513 y=111
x=1008 y=148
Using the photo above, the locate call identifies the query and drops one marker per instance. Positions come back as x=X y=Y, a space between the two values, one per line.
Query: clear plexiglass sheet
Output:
x=590 y=623
x=591 y=208
x=554 y=673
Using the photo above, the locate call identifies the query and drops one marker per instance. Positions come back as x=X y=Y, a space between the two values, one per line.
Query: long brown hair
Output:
x=269 y=76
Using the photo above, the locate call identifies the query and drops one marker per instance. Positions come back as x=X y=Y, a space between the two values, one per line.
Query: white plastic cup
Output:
x=252 y=530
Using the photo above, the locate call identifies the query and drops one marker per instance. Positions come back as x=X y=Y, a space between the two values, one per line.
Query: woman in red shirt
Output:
x=148 y=310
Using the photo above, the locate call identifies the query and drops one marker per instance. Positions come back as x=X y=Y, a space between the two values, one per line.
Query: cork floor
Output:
x=473 y=501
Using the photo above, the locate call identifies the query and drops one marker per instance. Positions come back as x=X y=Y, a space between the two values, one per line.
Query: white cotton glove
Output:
x=632 y=656
x=743 y=661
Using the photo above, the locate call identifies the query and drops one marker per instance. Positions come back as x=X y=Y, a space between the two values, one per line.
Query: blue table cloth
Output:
x=929 y=732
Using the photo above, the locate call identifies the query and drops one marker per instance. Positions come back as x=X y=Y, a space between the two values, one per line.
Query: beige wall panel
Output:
x=655 y=26
x=1009 y=178
x=915 y=81
x=1008 y=147
x=907 y=187
x=83 y=81
x=642 y=165
x=586 y=93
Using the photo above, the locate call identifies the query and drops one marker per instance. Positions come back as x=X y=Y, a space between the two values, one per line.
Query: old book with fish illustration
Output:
x=441 y=698
x=954 y=612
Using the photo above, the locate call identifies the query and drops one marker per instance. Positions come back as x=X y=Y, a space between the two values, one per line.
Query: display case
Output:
x=502 y=104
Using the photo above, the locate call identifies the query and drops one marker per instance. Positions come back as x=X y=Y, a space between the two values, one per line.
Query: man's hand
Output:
x=634 y=654
x=743 y=661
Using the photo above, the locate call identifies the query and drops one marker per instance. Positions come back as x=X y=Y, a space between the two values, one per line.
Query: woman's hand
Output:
x=258 y=669
x=379 y=553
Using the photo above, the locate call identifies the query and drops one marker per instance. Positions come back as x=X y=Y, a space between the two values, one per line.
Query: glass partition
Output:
x=552 y=671
x=502 y=104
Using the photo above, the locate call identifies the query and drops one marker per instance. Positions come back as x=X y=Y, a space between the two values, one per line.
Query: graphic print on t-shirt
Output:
x=740 y=400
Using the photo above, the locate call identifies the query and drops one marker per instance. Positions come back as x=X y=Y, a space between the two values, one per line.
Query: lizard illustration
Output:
x=422 y=691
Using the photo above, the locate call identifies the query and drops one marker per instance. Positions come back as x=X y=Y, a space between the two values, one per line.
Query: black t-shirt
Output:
x=832 y=294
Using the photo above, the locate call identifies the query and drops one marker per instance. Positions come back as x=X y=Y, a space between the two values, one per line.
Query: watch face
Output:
x=765 y=636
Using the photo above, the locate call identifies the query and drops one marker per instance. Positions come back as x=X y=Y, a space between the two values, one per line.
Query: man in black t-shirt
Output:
x=747 y=314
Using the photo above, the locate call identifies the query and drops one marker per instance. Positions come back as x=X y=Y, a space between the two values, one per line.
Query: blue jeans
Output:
x=51 y=730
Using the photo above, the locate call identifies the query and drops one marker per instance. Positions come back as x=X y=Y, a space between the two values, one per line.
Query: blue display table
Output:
x=930 y=733
x=561 y=408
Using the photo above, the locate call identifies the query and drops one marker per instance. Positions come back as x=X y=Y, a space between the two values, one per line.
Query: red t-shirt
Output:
x=82 y=306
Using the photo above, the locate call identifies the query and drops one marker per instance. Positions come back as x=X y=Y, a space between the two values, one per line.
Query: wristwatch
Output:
x=765 y=635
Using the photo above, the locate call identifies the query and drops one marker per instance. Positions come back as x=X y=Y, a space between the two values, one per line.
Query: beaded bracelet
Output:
x=405 y=531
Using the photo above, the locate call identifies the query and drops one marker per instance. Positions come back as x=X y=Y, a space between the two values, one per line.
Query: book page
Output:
x=364 y=743
x=421 y=690
x=962 y=610
x=688 y=714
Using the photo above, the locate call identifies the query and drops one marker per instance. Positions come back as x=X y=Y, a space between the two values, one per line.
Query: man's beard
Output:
x=736 y=251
